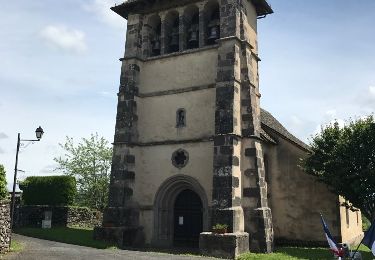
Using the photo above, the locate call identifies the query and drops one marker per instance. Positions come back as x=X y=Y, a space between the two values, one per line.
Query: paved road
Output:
x=39 y=249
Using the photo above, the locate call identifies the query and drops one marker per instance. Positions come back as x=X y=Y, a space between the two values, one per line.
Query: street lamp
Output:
x=38 y=133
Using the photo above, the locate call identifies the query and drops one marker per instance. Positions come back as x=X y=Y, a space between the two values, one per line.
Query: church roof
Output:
x=261 y=6
x=269 y=122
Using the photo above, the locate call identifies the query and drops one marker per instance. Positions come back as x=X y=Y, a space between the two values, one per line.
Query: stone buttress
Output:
x=239 y=196
x=121 y=217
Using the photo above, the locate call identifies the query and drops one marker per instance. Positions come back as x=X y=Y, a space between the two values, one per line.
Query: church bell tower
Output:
x=187 y=147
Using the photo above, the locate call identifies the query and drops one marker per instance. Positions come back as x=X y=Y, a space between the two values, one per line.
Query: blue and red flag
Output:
x=331 y=242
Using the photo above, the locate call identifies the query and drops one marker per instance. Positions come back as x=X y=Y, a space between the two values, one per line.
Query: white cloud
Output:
x=49 y=169
x=319 y=128
x=107 y=94
x=61 y=37
x=3 y=135
x=371 y=90
x=296 y=124
x=295 y=120
x=329 y=118
x=365 y=100
x=331 y=113
x=1 y=150
x=102 y=9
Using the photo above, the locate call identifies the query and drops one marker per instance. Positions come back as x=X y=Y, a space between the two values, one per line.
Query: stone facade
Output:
x=67 y=216
x=235 y=157
x=5 y=231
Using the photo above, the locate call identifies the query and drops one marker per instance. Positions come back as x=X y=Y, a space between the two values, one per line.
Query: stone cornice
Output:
x=175 y=91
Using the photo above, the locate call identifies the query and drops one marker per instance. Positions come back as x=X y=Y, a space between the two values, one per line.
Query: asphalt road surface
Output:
x=39 y=249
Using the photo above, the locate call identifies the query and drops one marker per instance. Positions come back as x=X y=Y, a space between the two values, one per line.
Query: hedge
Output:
x=48 y=190
x=3 y=183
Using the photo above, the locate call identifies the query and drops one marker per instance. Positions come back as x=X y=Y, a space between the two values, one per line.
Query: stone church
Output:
x=192 y=146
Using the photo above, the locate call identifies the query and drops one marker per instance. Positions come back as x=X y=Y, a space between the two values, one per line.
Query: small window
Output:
x=180 y=118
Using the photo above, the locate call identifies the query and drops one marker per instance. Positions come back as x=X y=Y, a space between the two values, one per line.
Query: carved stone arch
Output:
x=164 y=205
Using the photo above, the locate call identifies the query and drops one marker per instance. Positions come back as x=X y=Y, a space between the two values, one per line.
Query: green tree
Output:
x=3 y=183
x=89 y=162
x=344 y=159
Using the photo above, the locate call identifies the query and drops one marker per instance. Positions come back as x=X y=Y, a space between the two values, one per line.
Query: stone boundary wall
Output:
x=5 y=231
x=67 y=216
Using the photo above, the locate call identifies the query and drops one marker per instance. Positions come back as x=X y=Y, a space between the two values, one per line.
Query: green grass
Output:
x=15 y=246
x=84 y=237
x=292 y=253
x=75 y=236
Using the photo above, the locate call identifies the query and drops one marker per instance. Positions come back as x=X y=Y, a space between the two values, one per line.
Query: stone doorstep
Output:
x=228 y=245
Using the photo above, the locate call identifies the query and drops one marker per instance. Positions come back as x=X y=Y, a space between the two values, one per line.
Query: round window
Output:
x=180 y=158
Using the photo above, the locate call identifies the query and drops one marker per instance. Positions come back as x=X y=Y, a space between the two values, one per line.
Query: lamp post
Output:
x=39 y=133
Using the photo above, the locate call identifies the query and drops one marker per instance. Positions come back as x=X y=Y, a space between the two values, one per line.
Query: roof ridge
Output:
x=271 y=122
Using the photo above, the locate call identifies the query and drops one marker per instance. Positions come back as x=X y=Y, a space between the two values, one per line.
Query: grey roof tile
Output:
x=270 y=122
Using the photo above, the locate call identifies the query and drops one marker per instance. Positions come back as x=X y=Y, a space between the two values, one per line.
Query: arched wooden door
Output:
x=188 y=222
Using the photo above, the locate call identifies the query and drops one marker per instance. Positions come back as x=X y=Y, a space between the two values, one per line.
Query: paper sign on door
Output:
x=180 y=220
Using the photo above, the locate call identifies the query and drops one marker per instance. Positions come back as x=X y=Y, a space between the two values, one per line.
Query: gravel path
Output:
x=39 y=249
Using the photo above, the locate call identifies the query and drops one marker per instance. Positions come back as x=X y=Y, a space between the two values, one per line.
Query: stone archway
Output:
x=164 y=206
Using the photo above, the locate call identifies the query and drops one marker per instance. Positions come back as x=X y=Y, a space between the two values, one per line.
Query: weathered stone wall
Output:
x=61 y=216
x=84 y=217
x=156 y=72
x=351 y=224
x=160 y=113
x=297 y=199
x=5 y=231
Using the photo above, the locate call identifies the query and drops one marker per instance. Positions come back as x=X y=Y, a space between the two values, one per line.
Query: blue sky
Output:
x=59 y=69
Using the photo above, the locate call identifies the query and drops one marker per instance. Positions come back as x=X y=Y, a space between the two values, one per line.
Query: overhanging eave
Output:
x=262 y=7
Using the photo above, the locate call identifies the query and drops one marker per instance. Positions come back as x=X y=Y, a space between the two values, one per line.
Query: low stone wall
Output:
x=84 y=217
x=228 y=245
x=4 y=226
x=67 y=216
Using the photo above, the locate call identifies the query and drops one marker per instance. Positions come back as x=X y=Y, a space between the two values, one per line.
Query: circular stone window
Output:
x=180 y=158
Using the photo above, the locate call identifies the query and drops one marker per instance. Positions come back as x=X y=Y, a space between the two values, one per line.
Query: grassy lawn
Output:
x=75 y=236
x=292 y=253
x=83 y=237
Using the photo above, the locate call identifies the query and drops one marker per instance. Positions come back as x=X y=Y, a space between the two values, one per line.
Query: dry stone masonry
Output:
x=67 y=216
x=5 y=231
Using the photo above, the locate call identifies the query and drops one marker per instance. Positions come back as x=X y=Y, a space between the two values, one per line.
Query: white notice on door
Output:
x=180 y=220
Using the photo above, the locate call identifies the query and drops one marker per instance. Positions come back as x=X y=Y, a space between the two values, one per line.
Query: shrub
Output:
x=3 y=183
x=48 y=190
x=220 y=226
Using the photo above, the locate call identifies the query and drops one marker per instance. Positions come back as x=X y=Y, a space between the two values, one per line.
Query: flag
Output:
x=331 y=242
x=369 y=238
